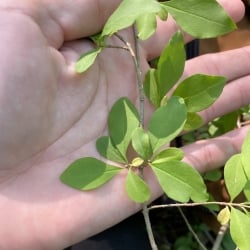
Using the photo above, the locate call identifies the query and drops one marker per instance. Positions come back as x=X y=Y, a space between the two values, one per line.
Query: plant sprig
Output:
x=175 y=111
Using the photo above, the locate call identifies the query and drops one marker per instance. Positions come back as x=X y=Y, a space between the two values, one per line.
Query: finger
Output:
x=165 y=30
x=209 y=154
x=232 y=64
x=63 y=20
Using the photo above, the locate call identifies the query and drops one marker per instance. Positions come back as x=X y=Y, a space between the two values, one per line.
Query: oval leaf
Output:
x=194 y=121
x=171 y=64
x=106 y=149
x=165 y=124
x=200 y=18
x=136 y=188
x=146 y=25
x=88 y=173
x=224 y=216
x=127 y=13
x=168 y=155
x=137 y=162
x=122 y=121
x=247 y=191
x=245 y=152
x=151 y=88
x=87 y=60
x=141 y=143
x=240 y=228
x=200 y=91
x=180 y=181
x=235 y=177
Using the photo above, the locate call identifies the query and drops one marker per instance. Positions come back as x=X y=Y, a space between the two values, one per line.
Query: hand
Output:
x=50 y=116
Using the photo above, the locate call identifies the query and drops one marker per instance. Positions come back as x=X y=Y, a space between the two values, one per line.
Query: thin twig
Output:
x=137 y=64
x=239 y=205
x=191 y=229
x=139 y=77
x=149 y=227
x=220 y=236
x=109 y=46
x=136 y=59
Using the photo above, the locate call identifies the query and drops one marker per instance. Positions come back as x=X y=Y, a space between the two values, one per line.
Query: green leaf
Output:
x=213 y=175
x=164 y=124
x=163 y=13
x=180 y=181
x=137 y=162
x=223 y=124
x=106 y=149
x=168 y=154
x=141 y=143
x=88 y=173
x=146 y=25
x=171 y=64
x=245 y=152
x=247 y=191
x=200 y=18
x=122 y=121
x=98 y=40
x=151 y=88
x=87 y=60
x=136 y=188
x=235 y=177
x=200 y=91
x=127 y=13
x=224 y=216
x=194 y=121
x=239 y=228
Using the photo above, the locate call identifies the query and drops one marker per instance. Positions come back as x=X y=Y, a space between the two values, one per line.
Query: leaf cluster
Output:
x=125 y=132
x=176 y=109
x=237 y=180
x=193 y=16
x=177 y=103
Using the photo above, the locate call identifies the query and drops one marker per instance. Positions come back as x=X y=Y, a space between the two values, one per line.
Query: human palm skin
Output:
x=50 y=115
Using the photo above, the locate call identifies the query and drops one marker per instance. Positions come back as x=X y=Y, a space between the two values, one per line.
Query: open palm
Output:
x=51 y=115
